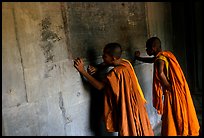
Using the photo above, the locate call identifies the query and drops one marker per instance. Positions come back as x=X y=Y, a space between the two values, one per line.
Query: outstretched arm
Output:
x=79 y=65
x=143 y=59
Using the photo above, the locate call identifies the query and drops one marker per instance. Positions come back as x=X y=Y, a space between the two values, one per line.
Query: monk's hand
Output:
x=168 y=88
x=79 y=65
x=136 y=54
x=91 y=69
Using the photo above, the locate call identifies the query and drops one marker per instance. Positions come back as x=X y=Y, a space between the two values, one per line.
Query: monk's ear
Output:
x=114 y=58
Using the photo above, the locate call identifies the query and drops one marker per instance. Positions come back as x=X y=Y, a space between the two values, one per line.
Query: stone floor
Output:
x=197 y=99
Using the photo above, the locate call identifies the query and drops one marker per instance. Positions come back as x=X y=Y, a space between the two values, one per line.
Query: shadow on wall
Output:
x=97 y=124
x=96 y=100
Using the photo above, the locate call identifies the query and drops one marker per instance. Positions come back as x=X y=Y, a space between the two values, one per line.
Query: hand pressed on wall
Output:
x=79 y=65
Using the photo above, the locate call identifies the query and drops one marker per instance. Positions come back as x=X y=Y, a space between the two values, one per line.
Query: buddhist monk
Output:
x=177 y=109
x=124 y=102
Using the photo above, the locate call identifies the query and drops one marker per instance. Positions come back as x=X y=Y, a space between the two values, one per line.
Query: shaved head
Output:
x=113 y=49
x=153 y=46
x=153 y=42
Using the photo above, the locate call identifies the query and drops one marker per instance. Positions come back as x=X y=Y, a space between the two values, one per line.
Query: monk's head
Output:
x=112 y=52
x=153 y=46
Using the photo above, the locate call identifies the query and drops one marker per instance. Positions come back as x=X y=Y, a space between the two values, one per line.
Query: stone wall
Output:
x=42 y=93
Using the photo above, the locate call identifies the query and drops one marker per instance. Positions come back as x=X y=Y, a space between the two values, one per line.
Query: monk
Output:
x=178 y=113
x=124 y=102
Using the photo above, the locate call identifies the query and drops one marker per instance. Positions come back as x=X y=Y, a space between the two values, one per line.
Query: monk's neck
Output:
x=117 y=62
x=157 y=52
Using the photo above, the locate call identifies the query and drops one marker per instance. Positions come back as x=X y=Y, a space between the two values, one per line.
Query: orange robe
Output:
x=124 y=103
x=177 y=110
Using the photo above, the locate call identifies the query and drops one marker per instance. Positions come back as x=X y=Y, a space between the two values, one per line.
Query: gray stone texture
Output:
x=43 y=94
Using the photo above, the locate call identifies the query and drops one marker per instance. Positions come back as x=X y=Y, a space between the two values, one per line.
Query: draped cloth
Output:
x=177 y=110
x=124 y=103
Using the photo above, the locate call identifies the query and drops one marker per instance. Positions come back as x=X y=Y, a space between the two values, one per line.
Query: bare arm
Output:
x=79 y=65
x=160 y=64
x=143 y=59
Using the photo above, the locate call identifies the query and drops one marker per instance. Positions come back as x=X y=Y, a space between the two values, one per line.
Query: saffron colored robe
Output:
x=124 y=103
x=177 y=110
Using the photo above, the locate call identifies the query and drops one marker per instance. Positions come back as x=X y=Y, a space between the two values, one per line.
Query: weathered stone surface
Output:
x=43 y=94
x=13 y=83
x=41 y=33
x=79 y=117
x=42 y=81
x=20 y=120
x=111 y=22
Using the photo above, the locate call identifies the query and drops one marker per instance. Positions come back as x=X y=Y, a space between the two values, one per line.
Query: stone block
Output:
x=42 y=81
x=13 y=85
